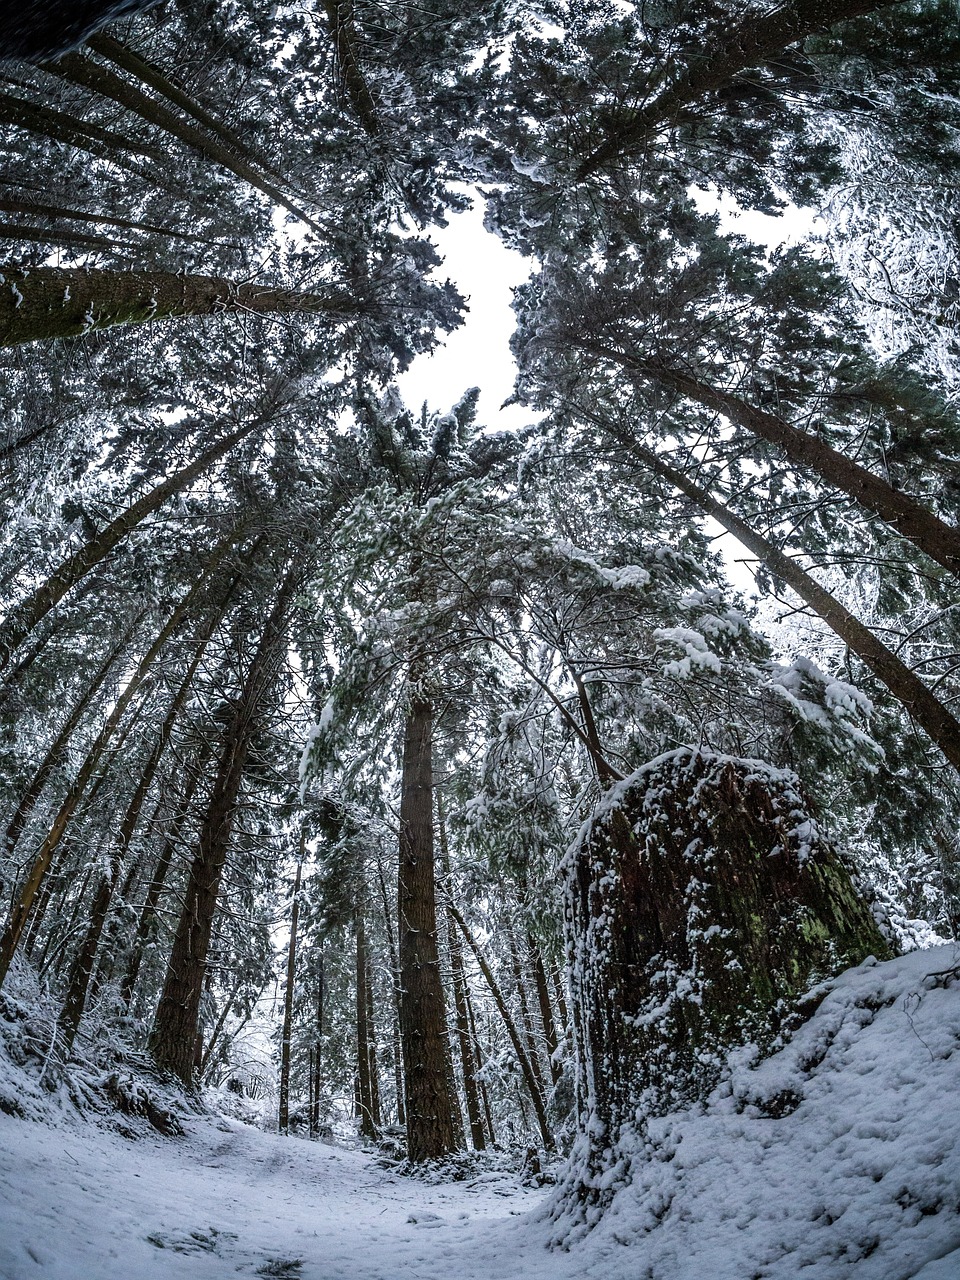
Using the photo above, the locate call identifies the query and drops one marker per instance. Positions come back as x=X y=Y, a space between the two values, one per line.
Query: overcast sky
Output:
x=477 y=355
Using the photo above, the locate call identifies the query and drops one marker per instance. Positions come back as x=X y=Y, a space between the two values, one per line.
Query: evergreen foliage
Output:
x=309 y=692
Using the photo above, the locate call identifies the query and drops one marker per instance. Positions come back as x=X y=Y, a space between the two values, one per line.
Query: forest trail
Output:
x=837 y=1158
x=229 y=1200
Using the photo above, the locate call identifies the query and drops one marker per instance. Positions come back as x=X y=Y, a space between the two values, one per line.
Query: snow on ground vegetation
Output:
x=837 y=1157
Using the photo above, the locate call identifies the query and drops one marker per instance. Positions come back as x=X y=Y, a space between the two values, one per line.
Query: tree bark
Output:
x=546 y=1010
x=35 y=209
x=175 y=1027
x=81 y=972
x=76 y=69
x=912 y=694
x=286 y=1031
x=21 y=907
x=920 y=527
x=368 y=1094
x=423 y=1030
x=57 y=751
x=23 y=617
x=343 y=31
x=317 y=1048
x=523 y=1059
x=148 y=914
x=761 y=37
x=40 y=303
x=148 y=73
x=81 y=134
x=467 y=1053
x=395 y=980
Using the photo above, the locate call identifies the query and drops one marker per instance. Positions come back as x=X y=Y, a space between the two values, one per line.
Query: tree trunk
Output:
x=35 y=209
x=523 y=1059
x=758 y=40
x=148 y=915
x=76 y=69
x=702 y=903
x=467 y=1053
x=343 y=31
x=920 y=527
x=23 y=617
x=478 y=1063
x=395 y=981
x=546 y=1010
x=423 y=1030
x=912 y=694
x=317 y=1048
x=148 y=73
x=176 y=1024
x=206 y=1057
x=286 y=1032
x=63 y=302
x=526 y=1022
x=21 y=907
x=82 y=970
x=59 y=127
x=368 y=1094
x=58 y=748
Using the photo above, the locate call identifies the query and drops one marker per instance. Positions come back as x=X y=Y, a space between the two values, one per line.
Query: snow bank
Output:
x=839 y=1156
x=836 y=1159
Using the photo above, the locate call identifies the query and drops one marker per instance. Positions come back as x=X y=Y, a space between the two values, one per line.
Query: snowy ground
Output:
x=838 y=1158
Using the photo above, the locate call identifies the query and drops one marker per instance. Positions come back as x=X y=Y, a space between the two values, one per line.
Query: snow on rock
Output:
x=837 y=1157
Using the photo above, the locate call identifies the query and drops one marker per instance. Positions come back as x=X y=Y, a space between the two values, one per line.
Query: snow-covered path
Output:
x=837 y=1158
x=228 y=1200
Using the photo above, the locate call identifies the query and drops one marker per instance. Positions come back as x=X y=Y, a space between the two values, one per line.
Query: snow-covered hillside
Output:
x=839 y=1157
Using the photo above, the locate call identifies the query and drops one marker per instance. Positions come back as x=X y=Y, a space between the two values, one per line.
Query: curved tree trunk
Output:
x=174 y=1035
x=758 y=39
x=79 y=983
x=76 y=69
x=148 y=73
x=40 y=303
x=913 y=521
x=931 y=535
x=913 y=695
x=23 y=617
x=539 y=1106
x=21 y=907
x=58 y=748
x=147 y=920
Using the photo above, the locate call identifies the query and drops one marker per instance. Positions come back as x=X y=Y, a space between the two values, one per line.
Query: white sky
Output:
x=478 y=354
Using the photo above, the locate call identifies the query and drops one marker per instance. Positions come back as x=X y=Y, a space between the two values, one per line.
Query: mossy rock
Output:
x=703 y=902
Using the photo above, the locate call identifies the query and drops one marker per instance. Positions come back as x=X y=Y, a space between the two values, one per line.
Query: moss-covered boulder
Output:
x=703 y=901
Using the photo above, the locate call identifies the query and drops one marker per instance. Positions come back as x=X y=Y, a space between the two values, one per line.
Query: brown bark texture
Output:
x=286 y=1030
x=702 y=903
x=921 y=705
x=175 y=1028
x=423 y=1030
x=757 y=39
x=40 y=303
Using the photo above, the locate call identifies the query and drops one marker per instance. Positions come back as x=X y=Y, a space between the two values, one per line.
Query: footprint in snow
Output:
x=209 y=1241
x=426 y=1220
x=281 y=1268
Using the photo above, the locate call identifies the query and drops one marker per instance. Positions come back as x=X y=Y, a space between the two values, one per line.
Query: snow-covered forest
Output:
x=431 y=847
